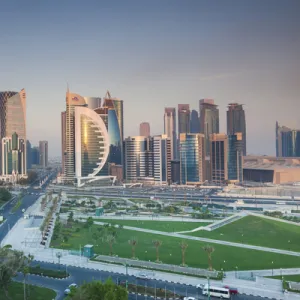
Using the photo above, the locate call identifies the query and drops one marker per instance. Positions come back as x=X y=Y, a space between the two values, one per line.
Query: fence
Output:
x=158 y=266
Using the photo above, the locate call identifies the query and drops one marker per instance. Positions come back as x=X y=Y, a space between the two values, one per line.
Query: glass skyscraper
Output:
x=192 y=158
x=235 y=157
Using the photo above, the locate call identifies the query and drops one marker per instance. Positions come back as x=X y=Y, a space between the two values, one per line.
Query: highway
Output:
x=81 y=275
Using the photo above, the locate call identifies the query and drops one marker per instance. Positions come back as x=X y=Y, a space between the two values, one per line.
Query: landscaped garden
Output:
x=167 y=226
x=257 y=231
x=169 y=249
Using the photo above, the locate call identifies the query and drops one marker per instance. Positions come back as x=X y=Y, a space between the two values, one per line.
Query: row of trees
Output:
x=12 y=262
x=47 y=220
x=32 y=176
x=5 y=195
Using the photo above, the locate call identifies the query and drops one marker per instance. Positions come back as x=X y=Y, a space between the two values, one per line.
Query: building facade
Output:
x=183 y=118
x=235 y=157
x=13 y=117
x=13 y=158
x=175 y=171
x=287 y=141
x=192 y=158
x=194 y=122
x=35 y=156
x=170 y=129
x=63 y=140
x=28 y=155
x=236 y=122
x=219 y=157
x=43 y=146
x=145 y=129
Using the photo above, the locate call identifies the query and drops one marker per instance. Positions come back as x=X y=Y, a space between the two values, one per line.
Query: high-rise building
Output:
x=138 y=158
x=219 y=157
x=145 y=129
x=170 y=129
x=194 y=122
x=13 y=117
x=87 y=142
x=13 y=158
x=235 y=157
x=287 y=141
x=192 y=158
x=28 y=155
x=161 y=151
x=63 y=140
x=183 y=118
x=236 y=122
x=148 y=158
x=43 y=146
x=93 y=102
x=35 y=155
x=175 y=171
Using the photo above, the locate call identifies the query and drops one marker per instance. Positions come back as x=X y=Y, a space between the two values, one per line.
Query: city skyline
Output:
x=154 y=68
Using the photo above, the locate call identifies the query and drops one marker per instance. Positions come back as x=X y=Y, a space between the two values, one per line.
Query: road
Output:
x=81 y=275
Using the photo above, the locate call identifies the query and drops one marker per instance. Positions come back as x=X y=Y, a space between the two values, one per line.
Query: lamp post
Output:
x=272 y=268
x=236 y=268
x=208 y=288
x=58 y=255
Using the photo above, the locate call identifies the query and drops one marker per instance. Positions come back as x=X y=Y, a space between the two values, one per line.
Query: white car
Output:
x=68 y=290
x=200 y=286
x=142 y=276
x=189 y=298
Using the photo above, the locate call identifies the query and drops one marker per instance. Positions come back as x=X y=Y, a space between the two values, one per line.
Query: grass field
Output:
x=257 y=231
x=244 y=259
x=167 y=226
x=295 y=278
x=15 y=292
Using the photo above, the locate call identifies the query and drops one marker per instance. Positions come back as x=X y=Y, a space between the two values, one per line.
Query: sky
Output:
x=154 y=54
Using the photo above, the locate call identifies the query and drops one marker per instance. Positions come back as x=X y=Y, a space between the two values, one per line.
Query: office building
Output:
x=63 y=140
x=138 y=158
x=161 y=151
x=93 y=102
x=13 y=117
x=192 y=158
x=170 y=129
x=219 y=157
x=13 y=158
x=175 y=171
x=236 y=122
x=235 y=157
x=28 y=155
x=183 y=118
x=145 y=129
x=287 y=141
x=194 y=122
x=43 y=147
x=87 y=143
x=35 y=156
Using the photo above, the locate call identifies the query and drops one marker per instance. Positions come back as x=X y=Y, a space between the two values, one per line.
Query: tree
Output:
x=10 y=263
x=209 y=250
x=70 y=217
x=157 y=244
x=133 y=242
x=27 y=260
x=89 y=222
x=183 y=246
x=110 y=239
x=97 y=290
x=5 y=195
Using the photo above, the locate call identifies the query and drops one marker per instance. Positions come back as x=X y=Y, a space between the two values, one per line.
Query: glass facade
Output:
x=115 y=141
x=235 y=157
x=191 y=158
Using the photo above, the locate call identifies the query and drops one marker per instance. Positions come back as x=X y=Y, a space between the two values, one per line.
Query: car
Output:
x=232 y=290
x=200 y=286
x=68 y=290
x=189 y=298
x=142 y=276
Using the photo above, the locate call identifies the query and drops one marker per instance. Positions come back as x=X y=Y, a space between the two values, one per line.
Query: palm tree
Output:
x=133 y=242
x=183 y=246
x=110 y=239
x=157 y=244
x=209 y=250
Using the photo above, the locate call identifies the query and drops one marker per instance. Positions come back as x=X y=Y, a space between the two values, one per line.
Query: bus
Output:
x=216 y=291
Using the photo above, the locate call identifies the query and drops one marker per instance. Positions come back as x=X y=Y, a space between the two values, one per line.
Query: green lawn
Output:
x=37 y=293
x=244 y=259
x=168 y=226
x=257 y=231
x=295 y=278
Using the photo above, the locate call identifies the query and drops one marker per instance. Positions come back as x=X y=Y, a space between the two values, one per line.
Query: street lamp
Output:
x=272 y=268
x=208 y=288
x=236 y=269
x=58 y=255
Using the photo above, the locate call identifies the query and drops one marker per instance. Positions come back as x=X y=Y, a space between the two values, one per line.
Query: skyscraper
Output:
x=235 y=157
x=170 y=129
x=183 y=118
x=145 y=129
x=195 y=122
x=28 y=155
x=63 y=140
x=93 y=102
x=219 y=157
x=287 y=141
x=209 y=120
x=13 y=118
x=13 y=157
x=192 y=158
x=43 y=146
x=236 y=122
x=35 y=156
x=87 y=143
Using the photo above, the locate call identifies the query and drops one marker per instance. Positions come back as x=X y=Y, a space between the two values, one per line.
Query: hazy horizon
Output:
x=154 y=54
